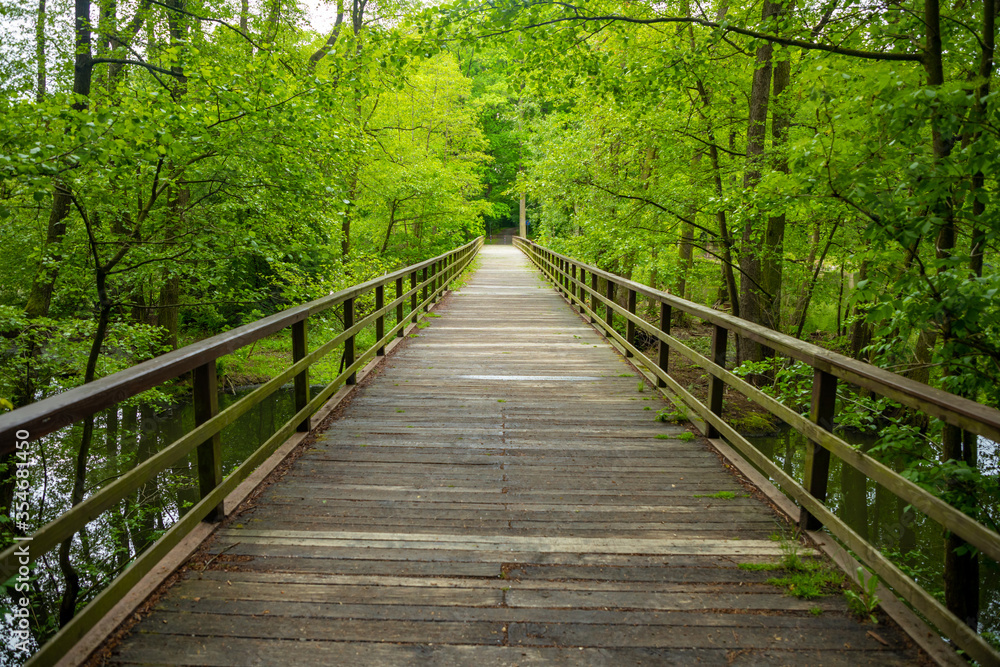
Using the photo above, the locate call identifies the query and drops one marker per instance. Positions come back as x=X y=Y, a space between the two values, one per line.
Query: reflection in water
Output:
x=913 y=541
x=124 y=437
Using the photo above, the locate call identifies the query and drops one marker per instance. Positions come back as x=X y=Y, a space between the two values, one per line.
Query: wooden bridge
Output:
x=494 y=490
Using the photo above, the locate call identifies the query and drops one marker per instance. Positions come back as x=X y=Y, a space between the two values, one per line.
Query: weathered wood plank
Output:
x=473 y=506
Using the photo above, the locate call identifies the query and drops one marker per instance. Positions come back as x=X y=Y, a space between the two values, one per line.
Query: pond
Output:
x=913 y=541
x=124 y=436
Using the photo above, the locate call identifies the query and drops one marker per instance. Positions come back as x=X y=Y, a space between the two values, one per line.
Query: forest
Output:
x=170 y=170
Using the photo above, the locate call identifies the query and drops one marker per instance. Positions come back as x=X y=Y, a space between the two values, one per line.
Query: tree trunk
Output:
x=68 y=607
x=772 y=256
x=753 y=298
x=40 y=64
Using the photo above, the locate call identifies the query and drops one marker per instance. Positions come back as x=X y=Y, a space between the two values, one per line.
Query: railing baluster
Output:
x=349 y=343
x=817 y=468
x=206 y=405
x=380 y=320
x=629 y=324
x=716 y=387
x=663 y=350
x=399 y=306
x=427 y=306
x=593 y=297
x=413 y=297
x=572 y=283
x=300 y=348
x=609 y=313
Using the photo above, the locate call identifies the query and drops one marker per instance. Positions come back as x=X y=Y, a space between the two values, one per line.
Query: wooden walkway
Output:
x=501 y=494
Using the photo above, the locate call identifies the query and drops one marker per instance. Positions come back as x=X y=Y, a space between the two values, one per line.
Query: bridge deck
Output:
x=501 y=494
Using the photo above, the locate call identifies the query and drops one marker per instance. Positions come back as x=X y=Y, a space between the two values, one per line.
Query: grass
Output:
x=803 y=579
x=721 y=495
x=686 y=436
x=674 y=416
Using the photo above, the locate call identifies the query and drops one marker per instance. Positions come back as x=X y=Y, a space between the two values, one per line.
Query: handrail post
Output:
x=300 y=347
x=663 y=350
x=629 y=324
x=716 y=387
x=572 y=283
x=438 y=280
x=380 y=320
x=205 y=397
x=817 y=468
x=593 y=297
x=399 y=306
x=609 y=313
x=349 y=343
x=413 y=296
x=427 y=306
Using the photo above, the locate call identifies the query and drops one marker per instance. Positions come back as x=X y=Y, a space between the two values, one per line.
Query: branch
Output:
x=211 y=20
x=711 y=144
x=122 y=61
x=784 y=41
x=197 y=304
x=132 y=267
x=651 y=203
x=331 y=41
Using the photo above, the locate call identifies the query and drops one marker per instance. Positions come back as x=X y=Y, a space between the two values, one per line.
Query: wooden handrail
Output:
x=955 y=410
x=50 y=414
x=61 y=410
x=568 y=274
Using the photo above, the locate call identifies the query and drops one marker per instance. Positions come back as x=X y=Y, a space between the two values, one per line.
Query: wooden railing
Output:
x=427 y=281
x=580 y=284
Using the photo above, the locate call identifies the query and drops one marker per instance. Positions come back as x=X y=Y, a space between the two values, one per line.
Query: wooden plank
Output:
x=448 y=503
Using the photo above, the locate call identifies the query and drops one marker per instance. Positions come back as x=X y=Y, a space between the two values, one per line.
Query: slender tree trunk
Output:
x=961 y=572
x=772 y=257
x=803 y=306
x=41 y=66
x=753 y=298
x=68 y=607
x=861 y=331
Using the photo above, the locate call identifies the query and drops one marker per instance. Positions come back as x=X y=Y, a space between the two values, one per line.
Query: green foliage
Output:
x=864 y=601
x=671 y=416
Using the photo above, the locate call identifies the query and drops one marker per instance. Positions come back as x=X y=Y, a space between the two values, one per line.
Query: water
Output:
x=124 y=436
x=913 y=541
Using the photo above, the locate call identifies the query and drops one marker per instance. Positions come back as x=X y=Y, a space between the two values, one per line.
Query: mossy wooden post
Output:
x=380 y=320
x=439 y=279
x=593 y=297
x=662 y=349
x=716 y=387
x=300 y=348
x=206 y=405
x=609 y=313
x=349 y=342
x=399 y=306
x=817 y=468
x=629 y=324
x=423 y=279
x=413 y=296
x=572 y=283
